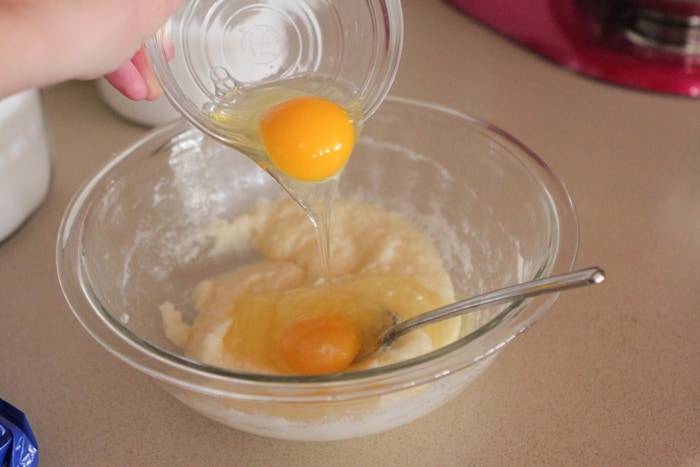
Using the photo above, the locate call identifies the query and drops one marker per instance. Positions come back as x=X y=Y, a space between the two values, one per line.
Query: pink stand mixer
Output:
x=652 y=45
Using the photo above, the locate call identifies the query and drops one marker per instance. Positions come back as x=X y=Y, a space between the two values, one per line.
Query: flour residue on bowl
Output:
x=376 y=256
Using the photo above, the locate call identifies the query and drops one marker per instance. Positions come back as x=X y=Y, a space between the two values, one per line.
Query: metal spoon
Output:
x=395 y=329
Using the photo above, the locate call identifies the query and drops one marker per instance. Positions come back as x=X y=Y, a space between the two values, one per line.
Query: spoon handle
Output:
x=594 y=275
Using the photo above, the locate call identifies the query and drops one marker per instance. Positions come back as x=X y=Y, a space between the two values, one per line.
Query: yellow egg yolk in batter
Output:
x=307 y=138
x=320 y=343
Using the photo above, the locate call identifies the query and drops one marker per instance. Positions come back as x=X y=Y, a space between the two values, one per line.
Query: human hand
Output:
x=135 y=79
x=48 y=41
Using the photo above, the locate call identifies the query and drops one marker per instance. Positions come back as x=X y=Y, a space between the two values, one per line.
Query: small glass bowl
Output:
x=212 y=49
x=131 y=239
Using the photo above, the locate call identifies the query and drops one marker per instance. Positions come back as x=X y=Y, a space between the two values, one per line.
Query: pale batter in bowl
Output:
x=379 y=262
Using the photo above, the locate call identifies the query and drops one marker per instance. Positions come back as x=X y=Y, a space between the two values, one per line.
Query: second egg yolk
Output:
x=307 y=138
x=321 y=343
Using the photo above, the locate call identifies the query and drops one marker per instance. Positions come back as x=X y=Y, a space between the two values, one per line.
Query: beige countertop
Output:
x=610 y=376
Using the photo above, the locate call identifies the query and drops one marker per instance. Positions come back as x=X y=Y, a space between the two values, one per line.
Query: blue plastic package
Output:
x=18 y=446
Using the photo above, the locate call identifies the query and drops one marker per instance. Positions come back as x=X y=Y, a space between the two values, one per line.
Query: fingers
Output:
x=135 y=79
x=128 y=81
x=143 y=66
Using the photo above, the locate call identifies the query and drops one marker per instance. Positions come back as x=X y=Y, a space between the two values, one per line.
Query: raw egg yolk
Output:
x=322 y=343
x=307 y=138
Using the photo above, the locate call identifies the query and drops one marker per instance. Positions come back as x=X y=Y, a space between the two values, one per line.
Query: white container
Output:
x=25 y=162
x=147 y=113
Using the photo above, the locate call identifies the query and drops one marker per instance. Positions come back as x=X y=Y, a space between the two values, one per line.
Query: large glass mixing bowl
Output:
x=132 y=238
